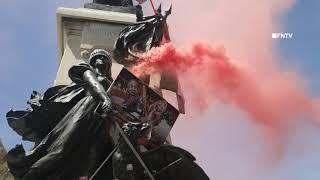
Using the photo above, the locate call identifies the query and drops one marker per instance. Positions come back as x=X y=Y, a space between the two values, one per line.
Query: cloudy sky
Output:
x=29 y=62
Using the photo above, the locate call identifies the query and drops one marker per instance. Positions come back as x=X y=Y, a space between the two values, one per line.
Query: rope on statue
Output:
x=104 y=162
x=124 y=136
x=153 y=8
x=176 y=162
x=166 y=34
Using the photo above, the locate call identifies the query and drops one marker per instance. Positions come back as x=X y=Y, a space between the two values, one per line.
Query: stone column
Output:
x=84 y=29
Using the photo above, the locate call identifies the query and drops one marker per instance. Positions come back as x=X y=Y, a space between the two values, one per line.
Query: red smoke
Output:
x=210 y=74
x=264 y=90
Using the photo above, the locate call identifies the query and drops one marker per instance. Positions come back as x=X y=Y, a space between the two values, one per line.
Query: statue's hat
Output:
x=100 y=52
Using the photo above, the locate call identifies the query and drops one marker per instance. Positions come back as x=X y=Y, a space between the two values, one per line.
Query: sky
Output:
x=225 y=150
x=302 y=52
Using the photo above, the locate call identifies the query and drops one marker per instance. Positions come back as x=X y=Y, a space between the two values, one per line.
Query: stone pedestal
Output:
x=82 y=30
x=4 y=170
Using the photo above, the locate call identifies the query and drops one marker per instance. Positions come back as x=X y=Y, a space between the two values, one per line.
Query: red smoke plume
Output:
x=210 y=74
x=221 y=138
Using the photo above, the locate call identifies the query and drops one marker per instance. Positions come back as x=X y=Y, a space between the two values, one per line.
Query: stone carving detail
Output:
x=98 y=35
